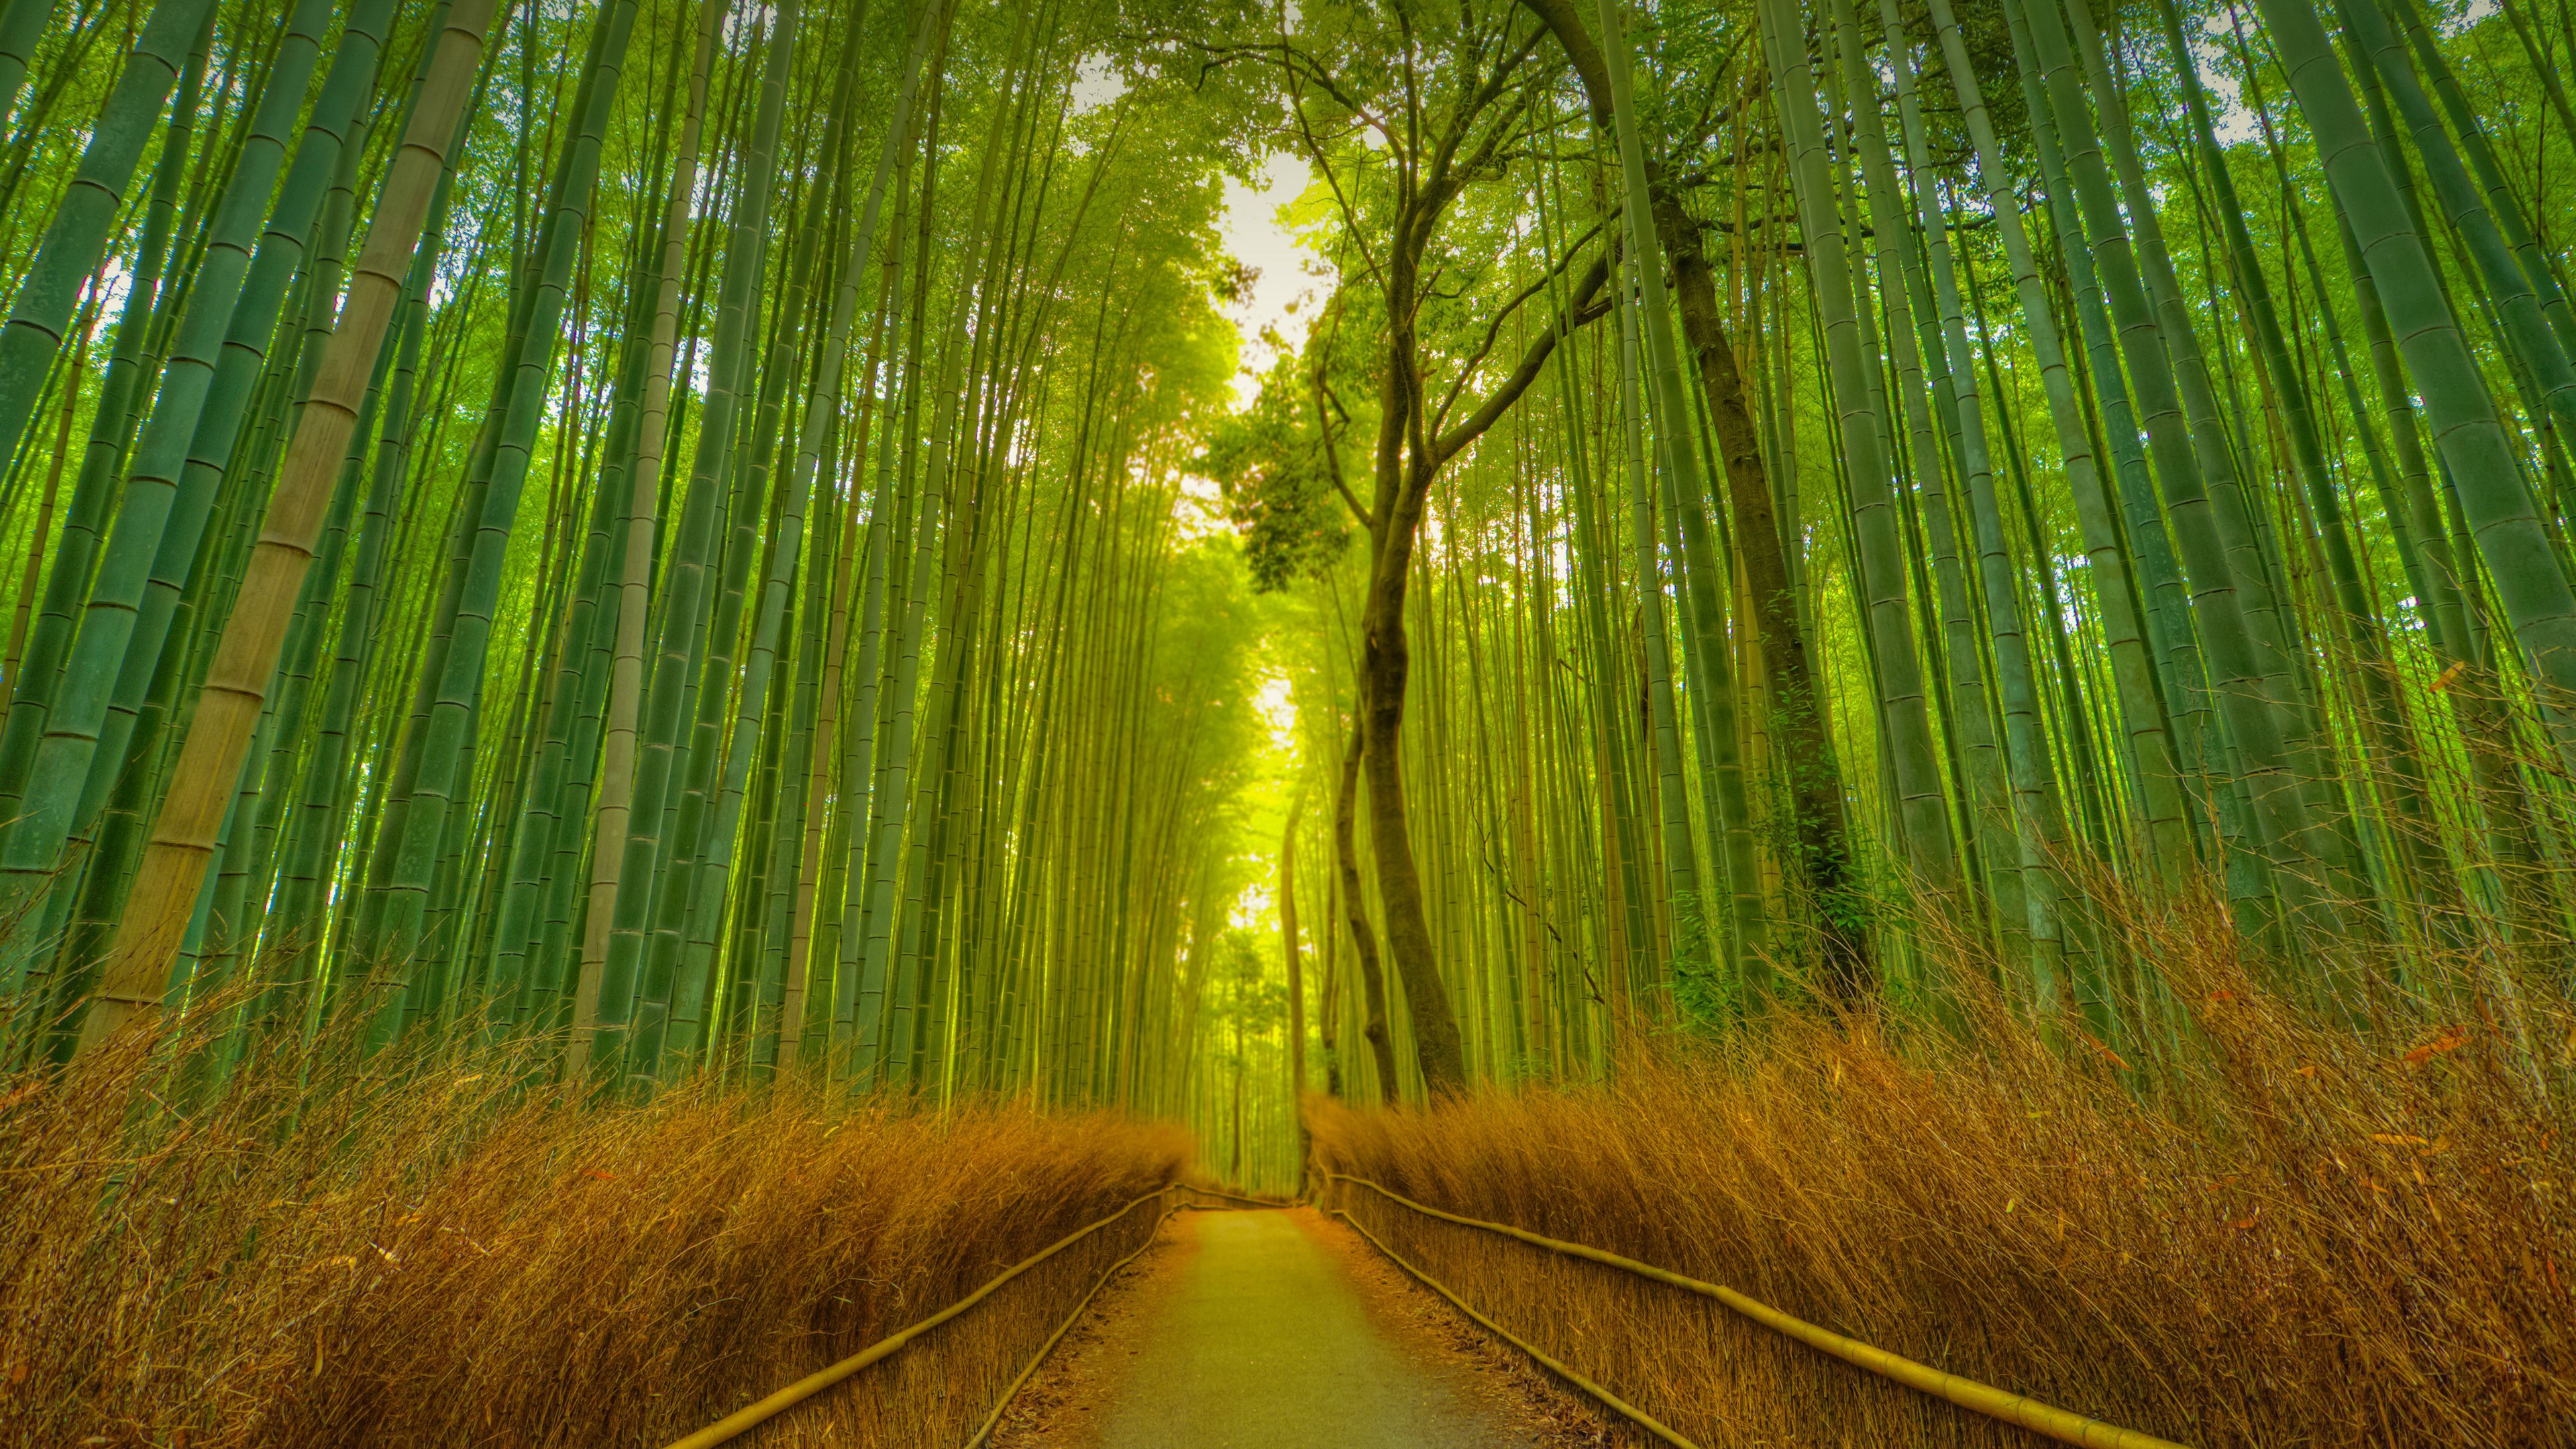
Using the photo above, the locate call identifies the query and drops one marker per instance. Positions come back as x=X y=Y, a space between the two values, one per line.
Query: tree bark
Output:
x=1823 y=863
x=1385 y=664
x=1355 y=908
x=1806 y=751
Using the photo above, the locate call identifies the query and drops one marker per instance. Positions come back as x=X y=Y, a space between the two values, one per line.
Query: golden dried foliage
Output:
x=2296 y=1235
x=427 y=1254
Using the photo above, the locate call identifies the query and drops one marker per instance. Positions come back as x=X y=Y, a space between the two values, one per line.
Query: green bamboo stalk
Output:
x=803 y=474
x=2530 y=581
x=439 y=785
x=620 y=619
x=673 y=985
x=35 y=687
x=1672 y=799
x=2168 y=847
x=1972 y=722
x=624 y=900
x=2516 y=292
x=324 y=802
x=78 y=232
x=1921 y=807
x=228 y=712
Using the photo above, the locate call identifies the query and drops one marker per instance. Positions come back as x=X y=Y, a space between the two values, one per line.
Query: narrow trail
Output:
x=1265 y=1330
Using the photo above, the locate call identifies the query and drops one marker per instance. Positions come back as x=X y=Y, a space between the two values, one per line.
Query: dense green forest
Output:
x=694 y=547
x=705 y=533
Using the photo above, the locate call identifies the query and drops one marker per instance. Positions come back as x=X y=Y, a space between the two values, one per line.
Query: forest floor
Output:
x=1249 y=1330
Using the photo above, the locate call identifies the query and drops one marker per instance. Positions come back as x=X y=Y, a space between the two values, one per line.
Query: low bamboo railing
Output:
x=753 y=1416
x=2065 y=1426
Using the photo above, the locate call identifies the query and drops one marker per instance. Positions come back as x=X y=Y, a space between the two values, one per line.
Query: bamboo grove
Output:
x=723 y=538
x=2017 y=489
x=648 y=524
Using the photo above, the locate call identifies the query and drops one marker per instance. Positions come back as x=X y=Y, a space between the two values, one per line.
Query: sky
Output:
x=1283 y=296
x=1280 y=301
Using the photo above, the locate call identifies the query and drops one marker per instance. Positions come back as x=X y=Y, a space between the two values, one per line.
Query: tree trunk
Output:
x=1355 y=907
x=1806 y=751
x=1404 y=480
x=1823 y=853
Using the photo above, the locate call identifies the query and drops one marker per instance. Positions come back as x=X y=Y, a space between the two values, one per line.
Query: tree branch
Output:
x=1579 y=312
x=1494 y=326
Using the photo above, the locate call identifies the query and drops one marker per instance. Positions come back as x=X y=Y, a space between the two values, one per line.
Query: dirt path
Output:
x=1249 y=1330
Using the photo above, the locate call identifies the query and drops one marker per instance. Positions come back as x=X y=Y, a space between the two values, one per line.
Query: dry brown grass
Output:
x=426 y=1254
x=2298 y=1236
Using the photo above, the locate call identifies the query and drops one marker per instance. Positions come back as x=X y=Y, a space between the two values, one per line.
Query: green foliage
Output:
x=1254 y=997
x=1272 y=462
x=1989 y=45
x=1707 y=997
